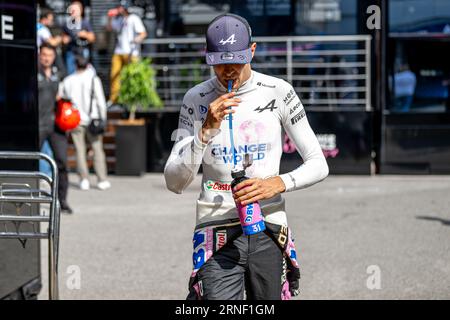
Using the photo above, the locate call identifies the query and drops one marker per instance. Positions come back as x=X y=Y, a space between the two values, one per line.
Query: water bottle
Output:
x=250 y=215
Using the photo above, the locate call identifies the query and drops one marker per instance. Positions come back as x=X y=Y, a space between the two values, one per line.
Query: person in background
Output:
x=77 y=35
x=130 y=32
x=43 y=35
x=404 y=87
x=85 y=91
x=46 y=19
x=446 y=83
x=48 y=81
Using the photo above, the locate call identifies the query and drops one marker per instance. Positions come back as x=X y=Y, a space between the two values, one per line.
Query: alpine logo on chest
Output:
x=270 y=106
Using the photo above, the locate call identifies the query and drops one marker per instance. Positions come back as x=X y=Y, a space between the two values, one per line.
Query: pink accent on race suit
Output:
x=290 y=248
x=330 y=153
x=197 y=290
x=210 y=241
x=285 y=292
x=251 y=131
x=288 y=145
x=208 y=246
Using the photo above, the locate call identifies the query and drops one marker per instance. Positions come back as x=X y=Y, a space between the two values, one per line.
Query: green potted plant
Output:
x=138 y=87
x=137 y=92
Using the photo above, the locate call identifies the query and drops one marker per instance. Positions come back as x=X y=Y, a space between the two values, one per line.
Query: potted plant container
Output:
x=137 y=92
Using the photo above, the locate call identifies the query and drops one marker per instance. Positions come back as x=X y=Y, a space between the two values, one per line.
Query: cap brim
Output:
x=235 y=57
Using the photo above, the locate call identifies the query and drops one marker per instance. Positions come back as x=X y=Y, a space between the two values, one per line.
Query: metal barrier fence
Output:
x=328 y=72
x=19 y=219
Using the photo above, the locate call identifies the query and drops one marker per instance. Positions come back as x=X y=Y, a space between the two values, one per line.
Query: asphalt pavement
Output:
x=358 y=237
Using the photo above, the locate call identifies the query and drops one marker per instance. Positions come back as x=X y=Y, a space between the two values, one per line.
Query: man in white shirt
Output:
x=85 y=91
x=130 y=32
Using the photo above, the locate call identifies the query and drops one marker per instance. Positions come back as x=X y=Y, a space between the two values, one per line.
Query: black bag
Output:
x=96 y=126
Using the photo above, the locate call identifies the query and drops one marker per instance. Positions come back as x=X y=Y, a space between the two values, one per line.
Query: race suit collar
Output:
x=245 y=87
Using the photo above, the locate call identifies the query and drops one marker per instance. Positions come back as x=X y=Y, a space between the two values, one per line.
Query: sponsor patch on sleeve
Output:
x=299 y=116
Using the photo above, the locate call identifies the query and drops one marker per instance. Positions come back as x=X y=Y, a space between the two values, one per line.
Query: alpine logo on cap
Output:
x=230 y=40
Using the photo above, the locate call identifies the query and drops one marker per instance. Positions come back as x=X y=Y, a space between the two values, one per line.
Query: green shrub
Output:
x=138 y=87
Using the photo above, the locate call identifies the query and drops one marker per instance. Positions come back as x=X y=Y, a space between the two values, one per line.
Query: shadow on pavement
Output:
x=443 y=221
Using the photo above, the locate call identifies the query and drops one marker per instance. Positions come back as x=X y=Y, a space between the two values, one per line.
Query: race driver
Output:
x=227 y=264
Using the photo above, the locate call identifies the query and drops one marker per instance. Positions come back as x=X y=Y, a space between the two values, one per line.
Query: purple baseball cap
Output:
x=228 y=40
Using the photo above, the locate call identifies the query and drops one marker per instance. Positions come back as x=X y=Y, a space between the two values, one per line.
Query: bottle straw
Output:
x=230 y=125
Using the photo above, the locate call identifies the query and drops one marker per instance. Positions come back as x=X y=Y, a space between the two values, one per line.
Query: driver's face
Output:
x=226 y=72
x=239 y=73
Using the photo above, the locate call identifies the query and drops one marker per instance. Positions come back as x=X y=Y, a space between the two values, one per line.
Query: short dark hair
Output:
x=45 y=12
x=48 y=46
x=126 y=4
x=81 y=62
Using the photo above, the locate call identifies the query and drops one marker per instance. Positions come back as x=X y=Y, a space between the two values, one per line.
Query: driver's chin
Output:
x=236 y=83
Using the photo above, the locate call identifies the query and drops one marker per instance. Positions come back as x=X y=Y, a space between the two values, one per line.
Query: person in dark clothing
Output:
x=44 y=35
x=78 y=35
x=48 y=82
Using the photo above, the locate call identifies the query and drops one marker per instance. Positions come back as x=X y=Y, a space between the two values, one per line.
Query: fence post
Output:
x=289 y=59
x=368 y=75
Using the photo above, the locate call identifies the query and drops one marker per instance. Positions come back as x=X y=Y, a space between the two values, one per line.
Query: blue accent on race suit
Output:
x=254 y=228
